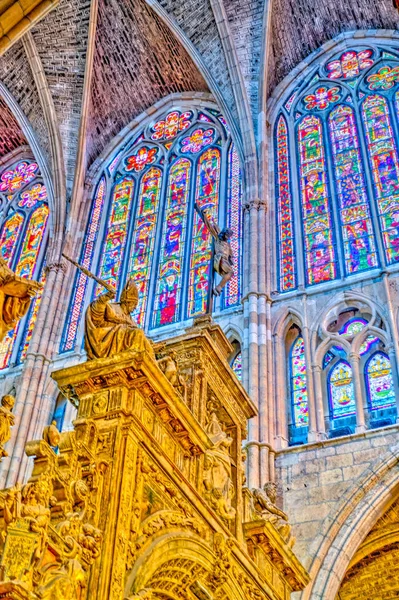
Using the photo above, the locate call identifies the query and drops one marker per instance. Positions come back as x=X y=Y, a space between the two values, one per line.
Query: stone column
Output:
x=318 y=398
x=360 y=416
x=313 y=429
x=280 y=390
x=394 y=368
x=29 y=409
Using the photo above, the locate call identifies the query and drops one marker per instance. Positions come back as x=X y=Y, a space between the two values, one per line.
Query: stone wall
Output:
x=315 y=478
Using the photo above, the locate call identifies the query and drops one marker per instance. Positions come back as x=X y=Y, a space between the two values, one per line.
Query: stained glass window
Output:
x=352 y=327
x=357 y=228
x=167 y=301
x=349 y=64
x=207 y=198
x=22 y=238
x=317 y=221
x=299 y=393
x=336 y=144
x=341 y=390
x=9 y=236
x=150 y=230
x=380 y=388
x=368 y=343
x=383 y=156
x=86 y=259
x=234 y=221
x=117 y=229
x=285 y=221
x=236 y=365
x=142 y=249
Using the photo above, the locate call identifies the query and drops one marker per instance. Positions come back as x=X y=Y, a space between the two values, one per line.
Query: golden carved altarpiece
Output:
x=146 y=498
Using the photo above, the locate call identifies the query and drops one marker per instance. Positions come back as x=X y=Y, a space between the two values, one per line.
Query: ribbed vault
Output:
x=11 y=136
x=299 y=28
x=137 y=62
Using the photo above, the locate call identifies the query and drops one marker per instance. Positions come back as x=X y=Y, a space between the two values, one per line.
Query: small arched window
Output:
x=341 y=390
x=143 y=224
x=236 y=365
x=299 y=393
x=23 y=227
x=379 y=382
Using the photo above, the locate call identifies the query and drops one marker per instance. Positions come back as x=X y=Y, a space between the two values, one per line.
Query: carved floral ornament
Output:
x=54 y=514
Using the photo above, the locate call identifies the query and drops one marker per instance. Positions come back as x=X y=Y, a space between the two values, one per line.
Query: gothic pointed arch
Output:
x=24 y=225
x=337 y=168
x=142 y=222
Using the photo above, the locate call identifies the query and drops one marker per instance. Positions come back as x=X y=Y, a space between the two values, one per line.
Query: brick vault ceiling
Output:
x=301 y=26
x=137 y=62
x=11 y=136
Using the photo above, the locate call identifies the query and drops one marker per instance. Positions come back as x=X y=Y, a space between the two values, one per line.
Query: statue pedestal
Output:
x=147 y=492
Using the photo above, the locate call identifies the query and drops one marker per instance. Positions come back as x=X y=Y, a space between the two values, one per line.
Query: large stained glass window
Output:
x=167 y=300
x=86 y=259
x=22 y=244
x=142 y=249
x=341 y=390
x=357 y=229
x=385 y=170
x=232 y=296
x=299 y=393
x=317 y=219
x=380 y=388
x=285 y=219
x=336 y=147
x=116 y=233
x=143 y=224
x=207 y=198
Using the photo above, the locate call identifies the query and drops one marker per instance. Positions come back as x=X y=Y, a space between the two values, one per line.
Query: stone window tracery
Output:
x=143 y=224
x=23 y=235
x=337 y=169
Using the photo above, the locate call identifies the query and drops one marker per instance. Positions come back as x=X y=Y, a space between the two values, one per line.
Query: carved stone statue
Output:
x=169 y=367
x=7 y=420
x=16 y=294
x=218 y=483
x=265 y=506
x=110 y=328
x=223 y=256
x=51 y=435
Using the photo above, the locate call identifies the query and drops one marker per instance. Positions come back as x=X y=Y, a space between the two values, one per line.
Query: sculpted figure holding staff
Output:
x=109 y=326
x=223 y=255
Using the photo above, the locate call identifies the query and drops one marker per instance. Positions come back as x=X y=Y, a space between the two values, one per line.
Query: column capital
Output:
x=316 y=368
x=256 y=203
x=56 y=266
x=354 y=356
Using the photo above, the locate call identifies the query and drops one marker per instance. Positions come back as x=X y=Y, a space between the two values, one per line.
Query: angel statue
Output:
x=109 y=326
x=16 y=294
x=223 y=255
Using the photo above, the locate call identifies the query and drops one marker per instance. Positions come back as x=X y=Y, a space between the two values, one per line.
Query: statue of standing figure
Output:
x=223 y=255
x=16 y=294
